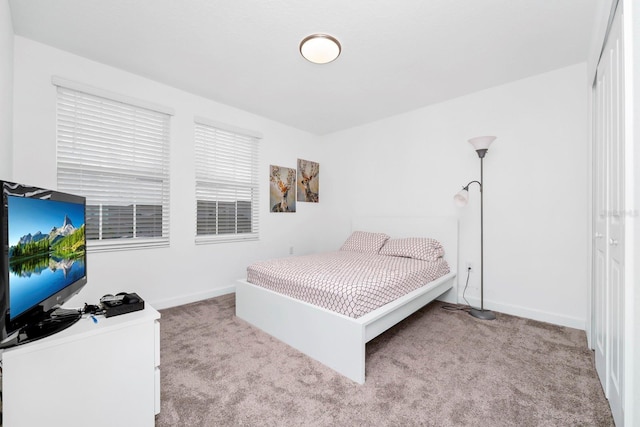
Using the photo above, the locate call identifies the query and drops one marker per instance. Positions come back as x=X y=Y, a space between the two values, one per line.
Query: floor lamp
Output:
x=481 y=145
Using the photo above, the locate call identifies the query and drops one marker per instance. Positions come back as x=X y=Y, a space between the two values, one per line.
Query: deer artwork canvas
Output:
x=281 y=189
x=308 y=181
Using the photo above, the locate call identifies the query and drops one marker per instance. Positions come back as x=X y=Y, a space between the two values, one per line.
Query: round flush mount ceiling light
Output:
x=320 y=48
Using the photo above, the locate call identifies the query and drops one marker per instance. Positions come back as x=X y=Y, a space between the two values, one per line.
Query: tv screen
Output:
x=43 y=233
x=46 y=250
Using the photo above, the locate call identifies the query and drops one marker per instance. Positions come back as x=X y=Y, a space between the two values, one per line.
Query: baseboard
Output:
x=514 y=310
x=528 y=313
x=449 y=296
x=187 y=299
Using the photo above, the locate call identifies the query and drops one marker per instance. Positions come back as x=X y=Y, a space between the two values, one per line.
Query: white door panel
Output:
x=608 y=218
x=601 y=202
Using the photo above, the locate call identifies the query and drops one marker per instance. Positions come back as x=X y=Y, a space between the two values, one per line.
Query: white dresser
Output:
x=97 y=374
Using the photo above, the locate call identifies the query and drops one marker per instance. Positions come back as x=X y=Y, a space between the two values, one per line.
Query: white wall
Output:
x=183 y=272
x=534 y=178
x=535 y=174
x=6 y=89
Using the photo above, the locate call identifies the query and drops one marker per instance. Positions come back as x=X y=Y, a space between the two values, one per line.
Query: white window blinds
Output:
x=226 y=183
x=117 y=156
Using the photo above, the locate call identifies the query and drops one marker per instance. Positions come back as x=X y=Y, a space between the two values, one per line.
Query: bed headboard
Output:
x=442 y=228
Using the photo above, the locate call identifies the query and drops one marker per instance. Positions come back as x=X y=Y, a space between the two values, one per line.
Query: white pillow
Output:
x=423 y=248
x=365 y=242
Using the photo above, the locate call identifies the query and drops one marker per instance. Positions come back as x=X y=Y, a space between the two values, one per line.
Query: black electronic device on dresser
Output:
x=122 y=303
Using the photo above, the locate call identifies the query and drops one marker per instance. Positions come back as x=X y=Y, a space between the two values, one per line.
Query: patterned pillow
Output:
x=365 y=242
x=423 y=248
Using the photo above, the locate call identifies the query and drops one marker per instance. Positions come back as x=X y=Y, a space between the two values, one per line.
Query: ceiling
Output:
x=397 y=55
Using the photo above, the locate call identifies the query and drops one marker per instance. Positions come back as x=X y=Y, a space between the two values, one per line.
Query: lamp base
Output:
x=482 y=314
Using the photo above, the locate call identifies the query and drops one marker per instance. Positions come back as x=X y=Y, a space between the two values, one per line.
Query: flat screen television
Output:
x=43 y=262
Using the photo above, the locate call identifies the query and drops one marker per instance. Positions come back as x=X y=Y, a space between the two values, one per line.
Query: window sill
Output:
x=126 y=244
x=206 y=240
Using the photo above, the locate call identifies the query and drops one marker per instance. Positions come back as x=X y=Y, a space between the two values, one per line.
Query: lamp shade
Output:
x=461 y=198
x=482 y=142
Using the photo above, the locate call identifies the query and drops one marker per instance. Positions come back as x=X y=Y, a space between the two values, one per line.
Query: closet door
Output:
x=616 y=219
x=601 y=234
x=609 y=218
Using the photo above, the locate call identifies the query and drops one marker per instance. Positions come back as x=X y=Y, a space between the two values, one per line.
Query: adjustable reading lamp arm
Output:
x=466 y=187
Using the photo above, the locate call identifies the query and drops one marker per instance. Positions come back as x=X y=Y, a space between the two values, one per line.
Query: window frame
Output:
x=86 y=165
x=220 y=171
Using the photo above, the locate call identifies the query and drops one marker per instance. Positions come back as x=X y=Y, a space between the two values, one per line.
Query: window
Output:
x=226 y=183
x=115 y=152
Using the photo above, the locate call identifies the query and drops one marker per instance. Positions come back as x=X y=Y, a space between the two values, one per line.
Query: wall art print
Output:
x=282 y=194
x=308 y=181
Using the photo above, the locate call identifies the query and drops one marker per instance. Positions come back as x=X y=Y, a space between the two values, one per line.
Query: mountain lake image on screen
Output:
x=46 y=249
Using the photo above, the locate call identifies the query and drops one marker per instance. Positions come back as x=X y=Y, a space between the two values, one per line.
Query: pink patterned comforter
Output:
x=350 y=283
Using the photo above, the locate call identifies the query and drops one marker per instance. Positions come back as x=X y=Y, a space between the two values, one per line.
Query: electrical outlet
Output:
x=290 y=250
x=469 y=265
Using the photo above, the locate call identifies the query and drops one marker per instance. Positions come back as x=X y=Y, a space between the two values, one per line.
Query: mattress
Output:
x=349 y=283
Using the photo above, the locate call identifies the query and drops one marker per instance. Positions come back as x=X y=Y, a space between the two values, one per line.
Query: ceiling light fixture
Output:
x=320 y=48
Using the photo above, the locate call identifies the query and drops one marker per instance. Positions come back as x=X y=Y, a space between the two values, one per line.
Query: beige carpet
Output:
x=436 y=368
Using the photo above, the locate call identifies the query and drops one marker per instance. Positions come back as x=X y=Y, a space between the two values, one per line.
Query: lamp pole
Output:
x=482 y=313
x=481 y=238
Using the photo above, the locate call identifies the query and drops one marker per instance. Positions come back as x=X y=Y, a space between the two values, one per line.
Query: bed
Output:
x=338 y=340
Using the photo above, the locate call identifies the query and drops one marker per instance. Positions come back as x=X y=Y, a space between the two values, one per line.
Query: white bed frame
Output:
x=333 y=339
